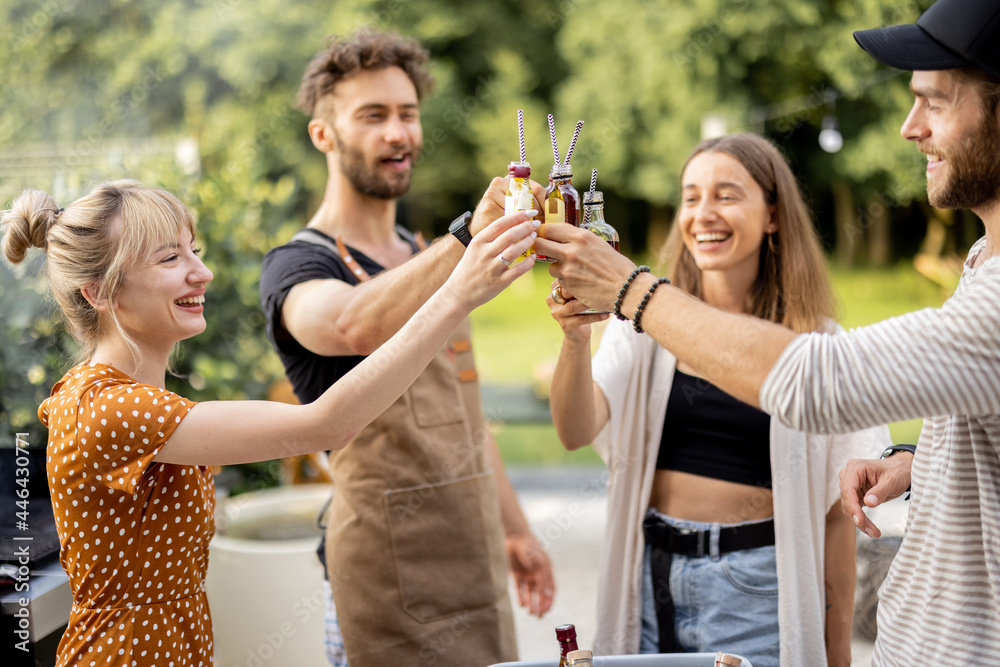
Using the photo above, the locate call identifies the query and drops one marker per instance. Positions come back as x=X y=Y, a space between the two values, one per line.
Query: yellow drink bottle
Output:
x=519 y=196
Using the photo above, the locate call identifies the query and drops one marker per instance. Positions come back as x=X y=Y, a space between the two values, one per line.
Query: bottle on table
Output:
x=726 y=660
x=519 y=196
x=581 y=658
x=562 y=201
x=566 y=634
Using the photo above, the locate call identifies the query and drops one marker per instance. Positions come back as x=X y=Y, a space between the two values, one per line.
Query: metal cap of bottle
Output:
x=519 y=169
x=591 y=197
x=726 y=660
x=566 y=632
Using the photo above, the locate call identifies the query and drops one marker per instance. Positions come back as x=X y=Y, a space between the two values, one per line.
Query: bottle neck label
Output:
x=555 y=210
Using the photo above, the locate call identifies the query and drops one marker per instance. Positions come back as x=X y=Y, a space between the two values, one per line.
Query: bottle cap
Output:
x=519 y=169
x=566 y=632
x=591 y=197
x=582 y=654
x=561 y=170
x=726 y=660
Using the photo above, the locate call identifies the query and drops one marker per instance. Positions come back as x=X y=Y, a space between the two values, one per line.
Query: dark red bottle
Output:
x=566 y=634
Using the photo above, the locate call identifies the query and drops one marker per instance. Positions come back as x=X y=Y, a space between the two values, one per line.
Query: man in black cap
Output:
x=940 y=603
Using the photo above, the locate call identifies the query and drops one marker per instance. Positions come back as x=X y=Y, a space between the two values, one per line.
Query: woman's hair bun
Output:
x=26 y=224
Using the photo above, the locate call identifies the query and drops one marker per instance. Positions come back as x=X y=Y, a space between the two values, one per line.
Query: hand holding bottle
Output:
x=491 y=206
x=586 y=266
x=485 y=269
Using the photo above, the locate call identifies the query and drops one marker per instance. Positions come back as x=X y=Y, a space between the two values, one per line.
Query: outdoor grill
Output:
x=29 y=567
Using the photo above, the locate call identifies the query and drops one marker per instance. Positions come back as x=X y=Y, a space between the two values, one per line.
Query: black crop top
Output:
x=707 y=432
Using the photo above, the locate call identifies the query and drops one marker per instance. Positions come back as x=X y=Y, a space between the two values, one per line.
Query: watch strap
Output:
x=459 y=228
x=889 y=451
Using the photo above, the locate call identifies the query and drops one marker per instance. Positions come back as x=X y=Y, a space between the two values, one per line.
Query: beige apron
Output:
x=415 y=544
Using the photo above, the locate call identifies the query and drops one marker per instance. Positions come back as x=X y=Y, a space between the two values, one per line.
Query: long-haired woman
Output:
x=724 y=526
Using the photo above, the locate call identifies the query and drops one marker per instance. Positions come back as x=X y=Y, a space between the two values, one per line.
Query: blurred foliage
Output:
x=31 y=348
x=89 y=86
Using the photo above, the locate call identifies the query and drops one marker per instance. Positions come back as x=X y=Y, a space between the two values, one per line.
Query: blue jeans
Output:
x=721 y=603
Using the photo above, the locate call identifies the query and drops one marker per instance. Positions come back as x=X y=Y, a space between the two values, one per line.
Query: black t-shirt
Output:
x=710 y=433
x=285 y=267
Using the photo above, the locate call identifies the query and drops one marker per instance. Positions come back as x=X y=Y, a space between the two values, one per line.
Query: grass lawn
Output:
x=516 y=341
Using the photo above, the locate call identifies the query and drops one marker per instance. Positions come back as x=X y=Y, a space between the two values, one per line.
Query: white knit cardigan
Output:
x=635 y=374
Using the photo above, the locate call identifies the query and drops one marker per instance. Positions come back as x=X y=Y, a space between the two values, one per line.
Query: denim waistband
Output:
x=699 y=538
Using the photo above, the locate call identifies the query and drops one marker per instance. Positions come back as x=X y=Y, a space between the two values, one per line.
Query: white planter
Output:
x=265 y=583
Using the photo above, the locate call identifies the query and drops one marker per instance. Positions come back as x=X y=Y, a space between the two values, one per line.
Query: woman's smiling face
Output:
x=161 y=300
x=724 y=216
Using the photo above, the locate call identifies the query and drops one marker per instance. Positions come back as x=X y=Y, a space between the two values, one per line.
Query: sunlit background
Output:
x=197 y=97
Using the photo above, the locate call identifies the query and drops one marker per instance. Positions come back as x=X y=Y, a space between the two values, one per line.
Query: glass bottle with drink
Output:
x=519 y=196
x=593 y=204
x=581 y=658
x=566 y=634
x=562 y=201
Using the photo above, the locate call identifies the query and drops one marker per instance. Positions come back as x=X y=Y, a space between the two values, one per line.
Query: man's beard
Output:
x=367 y=180
x=974 y=181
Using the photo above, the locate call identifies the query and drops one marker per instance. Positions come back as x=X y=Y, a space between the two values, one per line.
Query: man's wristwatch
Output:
x=459 y=228
x=889 y=451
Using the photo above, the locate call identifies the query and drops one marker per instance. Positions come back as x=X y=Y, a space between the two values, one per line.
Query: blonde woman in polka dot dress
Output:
x=128 y=461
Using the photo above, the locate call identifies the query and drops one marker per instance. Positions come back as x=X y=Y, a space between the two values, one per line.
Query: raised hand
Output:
x=491 y=206
x=485 y=269
x=586 y=266
x=570 y=315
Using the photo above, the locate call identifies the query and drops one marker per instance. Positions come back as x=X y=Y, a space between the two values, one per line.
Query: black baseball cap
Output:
x=951 y=34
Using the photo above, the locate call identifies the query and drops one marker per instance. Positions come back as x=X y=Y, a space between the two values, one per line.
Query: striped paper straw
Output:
x=593 y=186
x=520 y=133
x=572 y=143
x=552 y=133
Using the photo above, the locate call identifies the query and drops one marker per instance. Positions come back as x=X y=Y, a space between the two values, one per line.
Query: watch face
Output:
x=460 y=228
x=895 y=449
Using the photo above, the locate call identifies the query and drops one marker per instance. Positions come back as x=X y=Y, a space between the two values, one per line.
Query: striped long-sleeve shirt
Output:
x=940 y=603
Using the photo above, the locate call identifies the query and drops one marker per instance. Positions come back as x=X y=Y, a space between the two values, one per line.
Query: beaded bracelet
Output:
x=645 y=300
x=642 y=268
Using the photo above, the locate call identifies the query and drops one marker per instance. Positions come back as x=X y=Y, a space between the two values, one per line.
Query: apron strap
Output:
x=309 y=235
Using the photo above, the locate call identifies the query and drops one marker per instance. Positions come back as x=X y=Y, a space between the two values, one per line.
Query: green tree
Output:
x=197 y=97
x=779 y=67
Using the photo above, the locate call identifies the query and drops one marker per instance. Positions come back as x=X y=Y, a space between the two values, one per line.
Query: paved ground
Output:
x=566 y=509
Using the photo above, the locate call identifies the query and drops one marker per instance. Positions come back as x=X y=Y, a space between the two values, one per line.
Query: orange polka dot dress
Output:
x=133 y=533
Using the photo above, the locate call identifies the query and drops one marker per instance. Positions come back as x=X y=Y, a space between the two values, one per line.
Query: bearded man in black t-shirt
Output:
x=423 y=522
